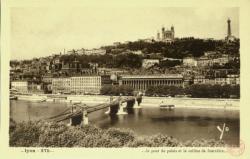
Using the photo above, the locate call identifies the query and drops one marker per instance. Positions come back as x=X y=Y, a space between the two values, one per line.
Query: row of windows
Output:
x=76 y=82
x=84 y=86
x=85 y=82
x=92 y=85
x=85 y=77
x=84 y=89
x=77 y=86
x=89 y=78
x=19 y=85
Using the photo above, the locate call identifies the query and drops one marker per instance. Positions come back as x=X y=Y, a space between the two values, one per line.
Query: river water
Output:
x=181 y=123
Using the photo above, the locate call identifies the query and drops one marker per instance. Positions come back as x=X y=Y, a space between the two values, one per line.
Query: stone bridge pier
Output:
x=117 y=108
x=121 y=108
x=85 y=119
x=81 y=119
x=137 y=102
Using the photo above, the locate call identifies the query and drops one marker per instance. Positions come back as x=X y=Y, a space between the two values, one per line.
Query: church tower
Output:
x=163 y=32
x=228 y=27
x=158 y=38
x=172 y=30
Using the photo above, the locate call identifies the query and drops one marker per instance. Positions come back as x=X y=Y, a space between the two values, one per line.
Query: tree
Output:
x=169 y=63
x=117 y=90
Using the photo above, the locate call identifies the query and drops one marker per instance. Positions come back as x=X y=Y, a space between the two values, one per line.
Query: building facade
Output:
x=116 y=43
x=228 y=80
x=142 y=83
x=106 y=80
x=87 y=52
x=204 y=62
x=61 y=85
x=233 y=79
x=77 y=85
x=146 y=63
x=20 y=86
x=86 y=84
x=138 y=52
x=190 y=62
x=222 y=60
x=201 y=80
x=220 y=81
x=47 y=79
x=95 y=52
x=208 y=59
x=35 y=88
x=147 y=40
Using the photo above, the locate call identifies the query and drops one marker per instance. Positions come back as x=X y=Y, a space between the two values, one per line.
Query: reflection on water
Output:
x=184 y=124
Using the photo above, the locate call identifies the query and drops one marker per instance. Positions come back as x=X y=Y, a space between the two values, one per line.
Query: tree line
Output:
x=181 y=48
x=195 y=90
x=117 y=90
x=120 y=61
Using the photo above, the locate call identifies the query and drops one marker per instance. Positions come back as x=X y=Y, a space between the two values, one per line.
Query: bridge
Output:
x=78 y=113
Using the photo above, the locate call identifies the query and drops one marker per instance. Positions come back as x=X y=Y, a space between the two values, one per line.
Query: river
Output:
x=181 y=123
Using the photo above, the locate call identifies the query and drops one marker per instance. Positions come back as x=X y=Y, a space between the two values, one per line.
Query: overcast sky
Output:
x=37 y=32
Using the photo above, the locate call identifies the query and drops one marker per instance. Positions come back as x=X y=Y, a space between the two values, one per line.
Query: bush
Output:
x=164 y=140
x=140 y=142
x=204 y=143
x=196 y=91
x=100 y=140
x=213 y=91
x=54 y=134
x=24 y=134
x=122 y=135
x=164 y=90
x=43 y=134
x=117 y=90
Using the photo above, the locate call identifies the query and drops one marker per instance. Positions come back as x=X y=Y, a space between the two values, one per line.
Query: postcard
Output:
x=119 y=79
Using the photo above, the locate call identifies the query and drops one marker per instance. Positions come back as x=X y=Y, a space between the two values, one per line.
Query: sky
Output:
x=38 y=32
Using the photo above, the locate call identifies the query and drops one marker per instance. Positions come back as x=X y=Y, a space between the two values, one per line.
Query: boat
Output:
x=42 y=100
x=163 y=105
x=33 y=97
x=13 y=97
x=167 y=106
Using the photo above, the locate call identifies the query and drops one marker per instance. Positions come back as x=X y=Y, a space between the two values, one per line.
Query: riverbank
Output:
x=44 y=134
x=209 y=103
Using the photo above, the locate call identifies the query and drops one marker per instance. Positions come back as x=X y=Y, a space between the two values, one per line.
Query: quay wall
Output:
x=153 y=101
x=178 y=102
x=192 y=102
x=88 y=98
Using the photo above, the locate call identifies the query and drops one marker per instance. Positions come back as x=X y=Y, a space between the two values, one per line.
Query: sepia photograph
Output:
x=120 y=77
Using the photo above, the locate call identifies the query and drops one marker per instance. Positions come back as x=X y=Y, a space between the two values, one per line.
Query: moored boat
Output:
x=167 y=106
x=13 y=97
x=164 y=105
x=33 y=97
